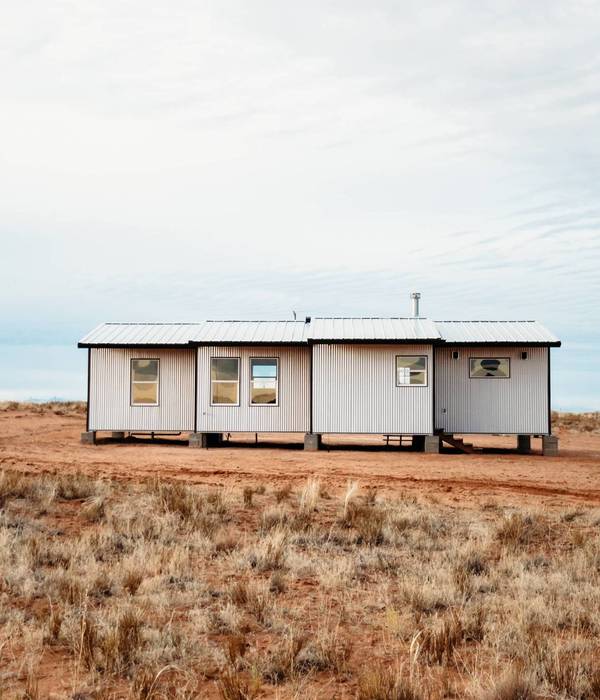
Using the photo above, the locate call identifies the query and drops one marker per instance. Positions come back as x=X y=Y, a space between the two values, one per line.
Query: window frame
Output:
x=133 y=404
x=225 y=381
x=250 y=380
x=495 y=357
x=426 y=370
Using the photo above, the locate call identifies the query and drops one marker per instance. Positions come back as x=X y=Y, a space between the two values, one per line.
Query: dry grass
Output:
x=576 y=422
x=158 y=590
x=59 y=408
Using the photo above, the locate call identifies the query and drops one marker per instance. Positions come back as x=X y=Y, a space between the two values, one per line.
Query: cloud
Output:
x=221 y=159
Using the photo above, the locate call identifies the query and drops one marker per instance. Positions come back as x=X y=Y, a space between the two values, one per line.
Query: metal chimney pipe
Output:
x=415 y=296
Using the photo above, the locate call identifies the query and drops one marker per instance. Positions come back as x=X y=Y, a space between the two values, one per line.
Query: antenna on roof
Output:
x=294 y=314
x=415 y=296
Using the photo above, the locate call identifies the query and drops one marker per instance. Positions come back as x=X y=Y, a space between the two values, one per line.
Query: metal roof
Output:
x=513 y=332
x=251 y=332
x=191 y=333
x=319 y=330
x=140 y=334
x=373 y=329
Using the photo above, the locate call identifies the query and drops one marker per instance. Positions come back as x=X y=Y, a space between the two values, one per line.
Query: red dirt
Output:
x=46 y=442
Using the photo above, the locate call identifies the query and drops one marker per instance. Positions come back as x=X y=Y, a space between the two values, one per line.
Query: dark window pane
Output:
x=417 y=362
x=417 y=377
x=144 y=370
x=224 y=368
x=490 y=367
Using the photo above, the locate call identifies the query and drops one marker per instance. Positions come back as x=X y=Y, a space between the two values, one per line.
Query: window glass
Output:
x=264 y=384
x=144 y=370
x=225 y=380
x=224 y=368
x=144 y=393
x=264 y=368
x=411 y=369
x=481 y=367
x=225 y=392
x=144 y=382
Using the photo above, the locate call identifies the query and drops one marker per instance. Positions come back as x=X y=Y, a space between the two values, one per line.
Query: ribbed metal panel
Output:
x=204 y=332
x=372 y=329
x=354 y=391
x=141 y=334
x=518 y=404
x=291 y=415
x=319 y=329
x=110 y=384
x=251 y=332
x=495 y=332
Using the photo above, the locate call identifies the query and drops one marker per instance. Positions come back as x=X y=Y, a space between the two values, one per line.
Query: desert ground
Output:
x=152 y=570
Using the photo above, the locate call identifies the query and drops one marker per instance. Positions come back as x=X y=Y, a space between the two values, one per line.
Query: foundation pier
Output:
x=523 y=444
x=88 y=438
x=312 y=442
x=432 y=443
x=205 y=439
x=549 y=445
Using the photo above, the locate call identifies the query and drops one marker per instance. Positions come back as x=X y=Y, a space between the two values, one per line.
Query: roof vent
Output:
x=415 y=296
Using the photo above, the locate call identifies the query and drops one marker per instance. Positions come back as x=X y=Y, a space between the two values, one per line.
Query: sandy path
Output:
x=49 y=442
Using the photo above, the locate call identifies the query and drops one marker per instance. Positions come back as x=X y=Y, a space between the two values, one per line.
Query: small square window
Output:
x=411 y=370
x=524 y=355
x=455 y=354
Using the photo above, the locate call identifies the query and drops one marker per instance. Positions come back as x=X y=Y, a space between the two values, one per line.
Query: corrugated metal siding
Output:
x=291 y=415
x=495 y=332
x=372 y=329
x=518 y=404
x=354 y=391
x=110 y=383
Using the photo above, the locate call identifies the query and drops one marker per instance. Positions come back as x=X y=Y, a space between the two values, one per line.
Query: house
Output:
x=390 y=376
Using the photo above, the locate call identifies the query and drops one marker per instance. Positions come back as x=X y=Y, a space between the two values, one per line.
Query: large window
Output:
x=144 y=382
x=411 y=369
x=481 y=367
x=264 y=381
x=224 y=381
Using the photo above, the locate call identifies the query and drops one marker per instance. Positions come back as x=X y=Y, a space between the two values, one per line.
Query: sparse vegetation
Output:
x=156 y=590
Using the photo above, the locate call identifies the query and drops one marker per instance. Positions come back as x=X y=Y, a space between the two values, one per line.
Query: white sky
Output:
x=233 y=159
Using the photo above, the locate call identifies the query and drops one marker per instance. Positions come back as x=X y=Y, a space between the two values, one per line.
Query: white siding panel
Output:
x=517 y=405
x=110 y=383
x=354 y=388
x=291 y=415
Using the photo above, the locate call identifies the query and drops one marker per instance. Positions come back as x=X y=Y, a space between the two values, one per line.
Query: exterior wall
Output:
x=518 y=404
x=354 y=391
x=292 y=414
x=110 y=386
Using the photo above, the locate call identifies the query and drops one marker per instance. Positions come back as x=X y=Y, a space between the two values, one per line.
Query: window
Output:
x=455 y=355
x=482 y=367
x=264 y=381
x=411 y=370
x=144 y=382
x=224 y=381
